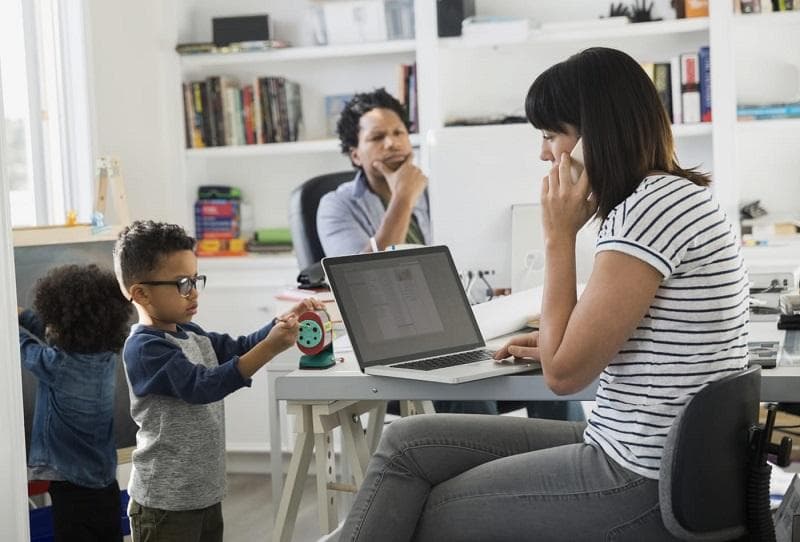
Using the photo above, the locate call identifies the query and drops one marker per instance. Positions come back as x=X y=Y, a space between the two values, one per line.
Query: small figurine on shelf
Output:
x=641 y=12
x=619 y=10
x=99 y=223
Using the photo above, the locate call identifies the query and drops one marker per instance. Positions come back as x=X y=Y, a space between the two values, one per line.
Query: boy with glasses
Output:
x=178 y=375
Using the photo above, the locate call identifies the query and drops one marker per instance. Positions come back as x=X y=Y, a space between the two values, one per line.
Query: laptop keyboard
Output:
x=449 y=360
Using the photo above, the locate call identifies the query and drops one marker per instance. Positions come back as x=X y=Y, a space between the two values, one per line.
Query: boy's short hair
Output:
x=142 y=246
x=347 y=126
x=83 y=309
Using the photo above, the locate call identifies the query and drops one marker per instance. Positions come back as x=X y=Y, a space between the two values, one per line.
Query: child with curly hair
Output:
x=71 y=342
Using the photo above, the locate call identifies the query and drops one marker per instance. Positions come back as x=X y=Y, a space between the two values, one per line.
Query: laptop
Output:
x=407 y=316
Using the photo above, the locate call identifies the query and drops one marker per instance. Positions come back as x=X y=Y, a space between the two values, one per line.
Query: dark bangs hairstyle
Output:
x=347 y=126
x=626 y=133
x=83 y=309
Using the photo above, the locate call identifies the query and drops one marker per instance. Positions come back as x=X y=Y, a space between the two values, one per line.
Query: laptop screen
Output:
x=402 y=305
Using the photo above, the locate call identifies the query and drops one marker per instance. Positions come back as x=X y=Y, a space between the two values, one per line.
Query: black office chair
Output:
x=303 y=203
x=714 y=482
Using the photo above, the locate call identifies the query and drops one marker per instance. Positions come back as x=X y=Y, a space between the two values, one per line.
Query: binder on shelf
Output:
x=704 y=67
x=675 y=84
x=690 y=87
x=662 y=81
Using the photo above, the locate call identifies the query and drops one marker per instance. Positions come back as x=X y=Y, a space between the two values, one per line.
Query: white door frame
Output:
x=13 y=474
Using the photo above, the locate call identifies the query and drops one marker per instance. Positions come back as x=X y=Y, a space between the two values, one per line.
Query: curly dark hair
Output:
x=83 y=309
x=360 y=104
x=141 y=246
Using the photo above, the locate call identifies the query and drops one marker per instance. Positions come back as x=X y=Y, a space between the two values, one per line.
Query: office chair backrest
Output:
x=303 y=203
x=703 y=484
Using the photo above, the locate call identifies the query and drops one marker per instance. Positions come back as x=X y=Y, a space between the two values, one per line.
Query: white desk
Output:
x=346 y=382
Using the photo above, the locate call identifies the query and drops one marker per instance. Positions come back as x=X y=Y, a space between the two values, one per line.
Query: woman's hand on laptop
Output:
x=522 y=346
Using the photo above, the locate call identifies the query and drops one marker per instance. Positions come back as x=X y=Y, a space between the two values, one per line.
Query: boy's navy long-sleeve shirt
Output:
x=177 y=382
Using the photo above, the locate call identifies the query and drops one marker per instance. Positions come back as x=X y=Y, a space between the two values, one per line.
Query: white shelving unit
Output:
x=457 y=77
x=602 y=31
x=299 y=54
x=275 y=149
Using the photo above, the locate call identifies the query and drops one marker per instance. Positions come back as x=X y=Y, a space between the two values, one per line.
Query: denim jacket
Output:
x=73 y=425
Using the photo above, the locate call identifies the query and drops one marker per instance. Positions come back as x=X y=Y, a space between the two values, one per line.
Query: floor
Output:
x=249 y=513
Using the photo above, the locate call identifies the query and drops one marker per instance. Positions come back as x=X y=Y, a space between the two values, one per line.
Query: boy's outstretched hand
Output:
x=283 y=334
x=310 y=304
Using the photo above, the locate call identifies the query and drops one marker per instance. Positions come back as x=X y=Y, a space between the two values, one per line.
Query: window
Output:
x=46 y=109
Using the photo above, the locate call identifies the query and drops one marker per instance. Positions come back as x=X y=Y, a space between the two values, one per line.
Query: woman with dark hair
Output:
x=664 y=313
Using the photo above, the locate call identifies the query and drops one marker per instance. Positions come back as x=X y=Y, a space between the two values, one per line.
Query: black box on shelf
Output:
x=450 y=13
x=227 y=30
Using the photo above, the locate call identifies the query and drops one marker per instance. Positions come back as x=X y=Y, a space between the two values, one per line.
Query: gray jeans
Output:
x=494 y=478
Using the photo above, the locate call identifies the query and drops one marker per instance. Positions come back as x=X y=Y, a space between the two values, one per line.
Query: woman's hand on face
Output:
x=566 y=205
x=521 y=346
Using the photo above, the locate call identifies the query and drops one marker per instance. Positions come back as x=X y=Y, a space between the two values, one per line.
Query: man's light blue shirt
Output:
x=350 y=215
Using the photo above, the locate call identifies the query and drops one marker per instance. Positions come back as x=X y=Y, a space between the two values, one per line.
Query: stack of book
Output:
x=765 y=112
x=270 y=240
x=217 y=218
x=684 y=86
x=218 y=111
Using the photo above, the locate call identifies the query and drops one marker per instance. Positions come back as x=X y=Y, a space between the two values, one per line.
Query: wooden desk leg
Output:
x=412 y=408
x=376 y=419
x=296 y=477
x=326 y=477
x=353 y=434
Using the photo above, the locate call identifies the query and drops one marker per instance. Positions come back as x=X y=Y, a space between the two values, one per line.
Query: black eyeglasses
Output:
x=184 y=284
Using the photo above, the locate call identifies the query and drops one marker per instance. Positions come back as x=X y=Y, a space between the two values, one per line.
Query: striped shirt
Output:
x=695 y=330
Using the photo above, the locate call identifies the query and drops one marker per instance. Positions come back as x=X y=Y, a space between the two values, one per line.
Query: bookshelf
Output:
x=299 y=54
x=330 y=145
x=600 y=32
x=459 y=78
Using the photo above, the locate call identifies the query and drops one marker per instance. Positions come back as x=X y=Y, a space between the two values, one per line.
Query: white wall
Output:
x=132 y=60
x=13 y=476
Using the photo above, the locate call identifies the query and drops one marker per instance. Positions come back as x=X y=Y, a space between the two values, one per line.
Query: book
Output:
x=198 y=140
x=704 y=67
x=764 y=112
x=215 y=102
x=690 y=88
x=188 y=116
x=217 y=208
x=675 y=87
x=294 y=108
x=662 y=82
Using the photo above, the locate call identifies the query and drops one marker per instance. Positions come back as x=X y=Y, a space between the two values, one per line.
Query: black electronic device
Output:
x=227 y=30
x=450 y=14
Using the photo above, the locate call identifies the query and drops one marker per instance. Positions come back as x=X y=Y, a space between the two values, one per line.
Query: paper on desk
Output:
x=508 y=313
x=341 y=344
